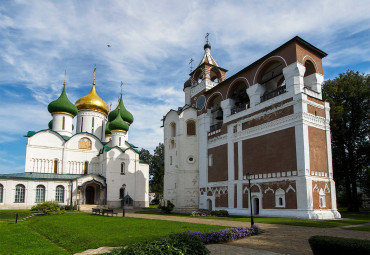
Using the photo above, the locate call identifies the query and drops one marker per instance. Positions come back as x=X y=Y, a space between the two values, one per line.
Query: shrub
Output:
x=224 y=235
x=168 y=208
x=338 y=245
x=47 y=208
x=201 y=212
x=221 y=213
x=181 y=243
x=66 y=207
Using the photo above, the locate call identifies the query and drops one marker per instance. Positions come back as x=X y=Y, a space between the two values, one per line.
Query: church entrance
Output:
x=90 y=195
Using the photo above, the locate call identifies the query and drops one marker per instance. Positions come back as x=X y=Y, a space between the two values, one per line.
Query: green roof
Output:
x=118 y=124
x=41 y=176
x=62 y=104
x=126 y=115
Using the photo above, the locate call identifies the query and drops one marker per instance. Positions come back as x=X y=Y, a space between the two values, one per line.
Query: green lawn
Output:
x=9 y=215
x=76 y=232
x=361 y=228
x=347 y=219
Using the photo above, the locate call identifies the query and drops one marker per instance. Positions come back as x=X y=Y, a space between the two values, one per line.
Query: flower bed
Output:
x=201 y=212
x=225 y=235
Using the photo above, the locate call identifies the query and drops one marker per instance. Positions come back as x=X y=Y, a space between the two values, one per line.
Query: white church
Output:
x=267 y=123
x=94 y=165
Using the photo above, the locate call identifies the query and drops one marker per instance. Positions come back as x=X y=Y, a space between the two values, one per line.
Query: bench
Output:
x=108 y=211
x=95 y=210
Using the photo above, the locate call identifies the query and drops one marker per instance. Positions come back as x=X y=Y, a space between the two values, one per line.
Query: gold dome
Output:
x=92 y=102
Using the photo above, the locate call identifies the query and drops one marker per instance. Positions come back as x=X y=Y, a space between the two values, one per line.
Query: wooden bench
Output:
x=108 y=211
x=95 y=210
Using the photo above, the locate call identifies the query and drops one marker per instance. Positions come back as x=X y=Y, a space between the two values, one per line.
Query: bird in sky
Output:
x=108 y=45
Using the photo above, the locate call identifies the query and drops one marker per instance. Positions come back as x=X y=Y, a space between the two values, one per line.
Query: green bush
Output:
x=323 y=245
x=221 y=213
x=66 y=207
x=47 y=208
x=168 y=208
x=181 y=243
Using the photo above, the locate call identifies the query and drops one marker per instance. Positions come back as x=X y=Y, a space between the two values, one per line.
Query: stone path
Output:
x=276 y=239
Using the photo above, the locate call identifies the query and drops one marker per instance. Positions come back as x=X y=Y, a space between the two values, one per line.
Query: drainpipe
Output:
x=71 y=193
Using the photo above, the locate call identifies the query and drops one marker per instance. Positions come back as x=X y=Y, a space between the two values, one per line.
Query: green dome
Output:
x=126 y=115
x=62 y=104
x=50 y=124
x=118 y=124
x=107 y=129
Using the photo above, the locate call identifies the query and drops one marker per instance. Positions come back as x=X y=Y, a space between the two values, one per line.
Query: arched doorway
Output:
x=209 y=204
x=256 y=206
x=90 y=195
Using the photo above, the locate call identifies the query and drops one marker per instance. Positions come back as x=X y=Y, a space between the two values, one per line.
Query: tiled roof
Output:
x=41 y=176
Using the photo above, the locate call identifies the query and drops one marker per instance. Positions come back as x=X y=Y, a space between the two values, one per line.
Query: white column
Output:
x=293 y=75
x=226 y=106
x=255 y=92
x=314 y=82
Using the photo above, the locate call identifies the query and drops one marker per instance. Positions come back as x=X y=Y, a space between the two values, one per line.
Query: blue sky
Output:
x=151 y=45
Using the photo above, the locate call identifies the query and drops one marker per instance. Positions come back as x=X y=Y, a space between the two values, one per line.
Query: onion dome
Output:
x=63 y=105
x=107 y=129
x=187 y=84
x=50 y=124
x=118 y=124
x=207 y=46
x=125 y=115
x=92 y=102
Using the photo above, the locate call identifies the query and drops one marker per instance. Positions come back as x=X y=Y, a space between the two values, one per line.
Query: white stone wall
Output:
x=58 y=123
x=96 y=126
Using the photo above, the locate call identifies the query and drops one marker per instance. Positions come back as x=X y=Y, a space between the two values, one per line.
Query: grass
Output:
x=9 y=215
x=348 y=218
x=361 y=228
x=76 y=232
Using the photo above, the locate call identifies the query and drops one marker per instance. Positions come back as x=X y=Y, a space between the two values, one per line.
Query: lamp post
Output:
x=248 y=177
x=123 y=199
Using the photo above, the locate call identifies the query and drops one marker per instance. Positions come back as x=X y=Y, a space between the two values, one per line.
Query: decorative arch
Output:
x=212 y=97
x=234 y=83
x=269 y=189
x=256 y=188
x=198 y=76
x=215 y=74
x=191 y=127
x=310 y=68
x=245 y=190
x=266 y=63
x=310 y=59
x=173 y=129
x=290 y=188
x=59 y=194
x=40 y=193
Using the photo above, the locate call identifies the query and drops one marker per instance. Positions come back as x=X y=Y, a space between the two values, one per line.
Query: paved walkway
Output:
x=276 y=239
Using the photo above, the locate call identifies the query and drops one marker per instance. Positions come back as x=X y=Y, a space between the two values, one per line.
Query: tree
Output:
x=349 y=96
x=156 y=167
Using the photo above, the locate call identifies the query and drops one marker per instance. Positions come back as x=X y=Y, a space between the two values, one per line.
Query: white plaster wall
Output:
x=98 y=129
x=30 y=192
x=116 y=135
x=58 y=123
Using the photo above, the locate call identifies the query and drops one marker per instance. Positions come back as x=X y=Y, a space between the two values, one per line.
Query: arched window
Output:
x=20 y=192
x=55 y=166
x=190 y=127
x=64 y=123
x=59 y=194
x=1 y=193
x=173 y=129
x=271 y=79
x=280 y=198
x=122 y=168
x=86 y=168
x=40 y=193
x=240 y=97
x=216 y=112
x=310 y=68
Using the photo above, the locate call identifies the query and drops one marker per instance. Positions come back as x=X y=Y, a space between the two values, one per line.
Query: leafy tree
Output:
x=349 y=96
x=156 y=167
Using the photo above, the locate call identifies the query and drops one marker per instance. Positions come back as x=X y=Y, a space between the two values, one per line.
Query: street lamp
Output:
x=123 y=199
x=248 y=177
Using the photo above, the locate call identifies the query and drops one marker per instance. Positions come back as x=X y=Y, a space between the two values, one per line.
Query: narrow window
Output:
x=20 y=191
x=190 y=128
x=64 y=123
x=279 y=198
x=102 y=129
x=82 y=123
x=59 y=194
x=119 y=141
x=280 y=201
x=322 y=202
x=170 y=160
x=55 y=166
x=1 y=193
x=173 y=129
x=86 y=169
x=122 y=168
x=40 y=194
